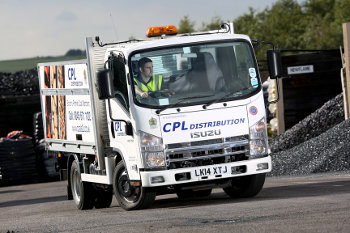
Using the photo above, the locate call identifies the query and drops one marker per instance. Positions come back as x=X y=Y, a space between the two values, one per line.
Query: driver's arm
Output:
x=140 y=92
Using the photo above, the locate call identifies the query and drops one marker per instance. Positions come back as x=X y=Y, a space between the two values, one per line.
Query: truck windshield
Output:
x=198 y=74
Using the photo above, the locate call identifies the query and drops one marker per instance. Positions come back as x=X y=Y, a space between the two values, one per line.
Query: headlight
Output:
x=258 y=139
x=152 y=150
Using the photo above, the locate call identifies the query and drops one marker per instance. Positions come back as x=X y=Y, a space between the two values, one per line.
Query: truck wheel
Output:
x=103 y=199
x=69 y=193
x=129 y=197
x=246 y=186
x=182 y=194
x=83 y=193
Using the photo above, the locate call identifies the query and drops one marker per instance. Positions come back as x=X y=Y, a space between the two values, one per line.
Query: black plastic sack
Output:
x=17 y=159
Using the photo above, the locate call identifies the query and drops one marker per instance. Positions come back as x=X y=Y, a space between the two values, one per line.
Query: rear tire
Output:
x=246 y=186
x=83 y=192
x=129 y=197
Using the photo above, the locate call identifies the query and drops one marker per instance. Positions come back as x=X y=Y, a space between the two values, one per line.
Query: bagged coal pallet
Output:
x=17 y=159
x=46 y=163
x=38 y=133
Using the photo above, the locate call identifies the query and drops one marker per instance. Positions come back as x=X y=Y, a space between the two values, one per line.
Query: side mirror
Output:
x=274 y=63
x=128 y=128
x=105 y=84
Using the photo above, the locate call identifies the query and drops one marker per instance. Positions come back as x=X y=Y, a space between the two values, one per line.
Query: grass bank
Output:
x=12 y=66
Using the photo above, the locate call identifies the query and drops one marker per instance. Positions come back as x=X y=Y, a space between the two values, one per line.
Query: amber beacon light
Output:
x=164 y=30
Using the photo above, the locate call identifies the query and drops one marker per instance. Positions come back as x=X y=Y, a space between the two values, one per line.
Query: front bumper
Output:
x=205 y=173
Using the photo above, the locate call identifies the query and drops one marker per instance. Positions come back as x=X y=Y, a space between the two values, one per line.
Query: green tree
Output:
x=341 y=15
x=313 y=24
x=319 y=15
x=186 y=25
x=75 y=53
x=283 y=25
x=248 y=23
x=214 y=24
x=331 y=16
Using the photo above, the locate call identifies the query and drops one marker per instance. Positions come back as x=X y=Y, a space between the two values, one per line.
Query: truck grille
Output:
x=208 y=152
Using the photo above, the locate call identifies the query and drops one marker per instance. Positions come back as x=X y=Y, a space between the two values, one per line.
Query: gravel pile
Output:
x=19 y=83
x=319 y=143
x=328 y=152
x=326 y=117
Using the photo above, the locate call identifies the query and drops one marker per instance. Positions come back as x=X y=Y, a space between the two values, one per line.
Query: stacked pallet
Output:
x=17 y=159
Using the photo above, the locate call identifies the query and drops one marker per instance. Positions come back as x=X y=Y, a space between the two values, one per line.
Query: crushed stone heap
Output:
x=329 y=115
x=328 y=152
x=319 y=143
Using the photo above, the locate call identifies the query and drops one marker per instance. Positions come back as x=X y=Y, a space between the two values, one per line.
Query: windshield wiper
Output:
x=182 y=100
x=224 y=97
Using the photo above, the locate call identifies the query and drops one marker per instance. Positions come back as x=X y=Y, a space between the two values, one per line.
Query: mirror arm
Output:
x=277 y=92
x=270 y=43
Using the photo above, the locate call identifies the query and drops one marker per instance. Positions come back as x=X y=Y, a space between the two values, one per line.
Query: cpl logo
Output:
x=253 y=110
x=71 y=74
x=118 y=126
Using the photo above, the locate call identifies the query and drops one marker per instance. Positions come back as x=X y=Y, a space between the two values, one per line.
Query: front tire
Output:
x=83 y=193
x=245 y=186
x=129 y=197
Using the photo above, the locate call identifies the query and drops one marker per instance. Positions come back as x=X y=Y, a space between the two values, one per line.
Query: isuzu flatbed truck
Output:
x=204 y=128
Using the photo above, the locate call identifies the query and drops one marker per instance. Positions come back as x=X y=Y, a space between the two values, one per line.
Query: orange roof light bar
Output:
x=164 y=30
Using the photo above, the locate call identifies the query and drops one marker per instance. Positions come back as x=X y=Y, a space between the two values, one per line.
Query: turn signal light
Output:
x=164 y=30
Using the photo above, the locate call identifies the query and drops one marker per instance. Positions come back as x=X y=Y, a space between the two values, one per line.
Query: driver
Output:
x=145 y=80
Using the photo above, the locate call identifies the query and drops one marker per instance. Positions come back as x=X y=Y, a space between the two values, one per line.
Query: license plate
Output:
x=212 y=171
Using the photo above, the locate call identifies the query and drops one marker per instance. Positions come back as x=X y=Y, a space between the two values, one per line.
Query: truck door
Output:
x=121 y=143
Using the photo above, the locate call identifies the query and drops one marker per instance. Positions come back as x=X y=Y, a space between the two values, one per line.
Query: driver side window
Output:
x=119 y=81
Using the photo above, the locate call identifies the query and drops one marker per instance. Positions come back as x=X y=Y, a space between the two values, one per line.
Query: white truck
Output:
x=205 y=127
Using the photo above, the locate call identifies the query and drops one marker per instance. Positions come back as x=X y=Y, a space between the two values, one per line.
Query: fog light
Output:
x=262 y=166
x=157 y=179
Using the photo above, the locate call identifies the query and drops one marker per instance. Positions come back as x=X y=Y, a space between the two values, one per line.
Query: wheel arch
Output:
x=132 y=167
x=118 y=157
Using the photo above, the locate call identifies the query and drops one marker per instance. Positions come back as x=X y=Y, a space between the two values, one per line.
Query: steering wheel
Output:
x=160 y=93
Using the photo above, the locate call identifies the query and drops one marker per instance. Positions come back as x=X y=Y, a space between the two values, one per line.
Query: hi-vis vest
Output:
x=154 y=85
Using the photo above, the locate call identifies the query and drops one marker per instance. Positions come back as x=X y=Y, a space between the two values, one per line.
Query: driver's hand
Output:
x=144 y=95
x=168 y=93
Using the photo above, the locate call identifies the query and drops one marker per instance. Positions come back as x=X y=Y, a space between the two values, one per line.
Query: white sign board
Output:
x=79 y=118
x=76 y=76
x=300 y=69
x=196 y=126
